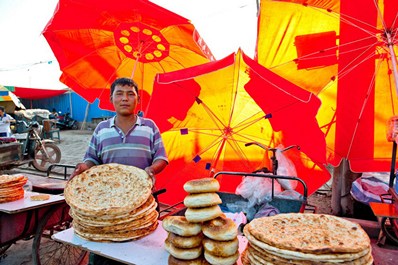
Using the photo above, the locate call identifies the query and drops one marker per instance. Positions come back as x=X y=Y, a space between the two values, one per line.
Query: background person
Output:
x=5 y=122
x=125 y=139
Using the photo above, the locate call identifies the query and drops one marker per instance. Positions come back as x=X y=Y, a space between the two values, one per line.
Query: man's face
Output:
x=124 y=99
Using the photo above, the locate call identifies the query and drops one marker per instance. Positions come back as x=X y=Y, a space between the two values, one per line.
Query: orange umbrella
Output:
x=345 y=53
x=208 y=113
x=98 y=41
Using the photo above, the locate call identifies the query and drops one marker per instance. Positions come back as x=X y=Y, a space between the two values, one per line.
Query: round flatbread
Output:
x=310 y=233
x=117 y=236
x=199 y=200
x=108 y=189
x=145 y=221
x=6 y=180
x=267 y=257
x=108 y=220
x=202 y=185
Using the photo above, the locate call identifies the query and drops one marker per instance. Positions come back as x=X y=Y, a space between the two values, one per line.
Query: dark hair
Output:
x=2 y=108
x=124 y=81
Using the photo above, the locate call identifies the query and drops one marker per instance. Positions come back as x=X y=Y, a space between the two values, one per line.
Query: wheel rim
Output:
x=49 y=252
x=388 y=230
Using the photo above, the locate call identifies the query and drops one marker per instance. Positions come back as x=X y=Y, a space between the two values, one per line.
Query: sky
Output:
x=27 y=60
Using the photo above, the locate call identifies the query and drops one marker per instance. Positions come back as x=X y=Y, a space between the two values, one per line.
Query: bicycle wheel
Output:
x=3 y=250
x=388 y=230
x=46 y=251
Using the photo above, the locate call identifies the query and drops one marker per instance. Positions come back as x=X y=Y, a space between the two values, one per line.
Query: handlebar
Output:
x=273 y=149
x=273 y=157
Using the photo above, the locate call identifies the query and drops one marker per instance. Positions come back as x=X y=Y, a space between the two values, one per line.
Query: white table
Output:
x=145 y=251
x=26 y=203
x=20 y=219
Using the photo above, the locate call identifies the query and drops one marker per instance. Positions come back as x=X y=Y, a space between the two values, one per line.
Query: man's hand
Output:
x=150 y=173
x=80 y=168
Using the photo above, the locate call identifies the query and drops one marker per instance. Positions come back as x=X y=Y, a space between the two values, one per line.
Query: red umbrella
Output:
x=97 y=41
x=208 y=113
x=345 y=53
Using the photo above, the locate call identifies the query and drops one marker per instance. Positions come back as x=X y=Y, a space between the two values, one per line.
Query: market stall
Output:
x=37 y=215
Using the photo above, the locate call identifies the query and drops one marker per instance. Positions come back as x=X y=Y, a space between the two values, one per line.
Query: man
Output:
x=125 y=139
x=5 y=122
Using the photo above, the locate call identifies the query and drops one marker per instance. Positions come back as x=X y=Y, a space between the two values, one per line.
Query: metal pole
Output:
x=393 y=158
x=390 y=44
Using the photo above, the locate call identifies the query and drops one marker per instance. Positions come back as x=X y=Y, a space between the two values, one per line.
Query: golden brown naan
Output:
x=109 y=188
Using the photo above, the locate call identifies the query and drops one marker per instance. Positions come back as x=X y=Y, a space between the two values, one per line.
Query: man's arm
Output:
x=10 y=119
x=155 y=168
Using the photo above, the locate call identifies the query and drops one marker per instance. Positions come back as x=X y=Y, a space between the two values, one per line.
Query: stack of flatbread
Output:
x=204 y=235
x=11 y=187
x=112 y=202
x=299 y=238
x=202 y=202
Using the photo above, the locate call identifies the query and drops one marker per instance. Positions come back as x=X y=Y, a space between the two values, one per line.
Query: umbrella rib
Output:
x=201 y=131
x=239 y=151
x=171 y=60
x=215 y=142
x=345 y=71
x=345 y=18
x=211 y=114
x=247 y=123
x=365 y=102
x=235 y=89
x=380 y=15
x=283 y=90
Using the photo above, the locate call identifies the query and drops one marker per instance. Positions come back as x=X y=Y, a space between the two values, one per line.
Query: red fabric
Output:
x=37 y=93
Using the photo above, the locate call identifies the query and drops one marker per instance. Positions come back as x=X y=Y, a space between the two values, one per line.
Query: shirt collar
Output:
x=138 y=121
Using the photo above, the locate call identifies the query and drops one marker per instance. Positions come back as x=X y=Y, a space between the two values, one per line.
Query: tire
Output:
x=74 y=126
x=47 y=251
x=3 y=250
x=388 y=230
x=41 y=162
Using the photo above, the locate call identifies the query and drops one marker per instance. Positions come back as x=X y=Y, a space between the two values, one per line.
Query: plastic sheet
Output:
x=286 y=168
x=369 y=187
x=257 y=190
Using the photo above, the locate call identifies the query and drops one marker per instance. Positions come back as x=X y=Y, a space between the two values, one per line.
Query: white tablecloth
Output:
x=145 y=251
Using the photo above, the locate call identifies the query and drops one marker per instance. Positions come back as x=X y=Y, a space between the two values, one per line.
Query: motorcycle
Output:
x=66 y=122
x=28 y=147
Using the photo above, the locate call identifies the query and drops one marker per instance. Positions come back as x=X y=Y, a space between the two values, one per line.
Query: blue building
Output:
x=80 y=109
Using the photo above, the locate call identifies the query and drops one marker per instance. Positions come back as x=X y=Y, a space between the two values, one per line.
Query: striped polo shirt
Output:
x=140 y=147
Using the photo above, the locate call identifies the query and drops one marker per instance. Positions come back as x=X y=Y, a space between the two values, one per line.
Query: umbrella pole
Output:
x=393 y=59
x=212 y=171
x=133 y=73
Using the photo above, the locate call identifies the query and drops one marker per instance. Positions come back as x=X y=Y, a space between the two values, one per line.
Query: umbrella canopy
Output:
x=35 y=93
x=97 y=41
x=345 y=53
x=9 y=101
x=208 y=113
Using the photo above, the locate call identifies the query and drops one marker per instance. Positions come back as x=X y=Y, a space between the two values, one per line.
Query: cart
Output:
x=283 y=204
x=25 y=219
